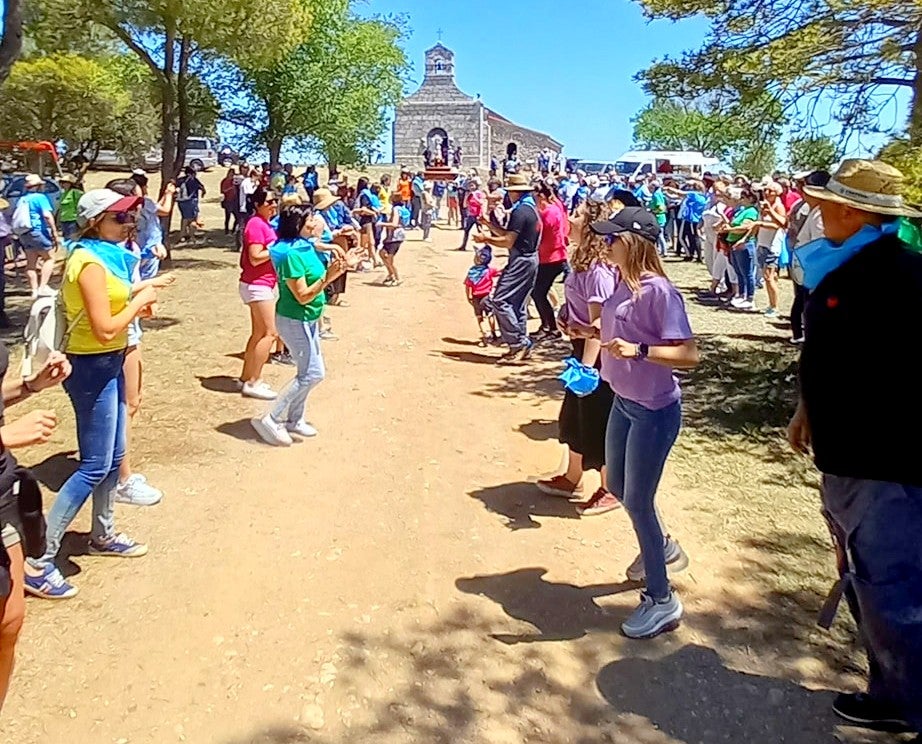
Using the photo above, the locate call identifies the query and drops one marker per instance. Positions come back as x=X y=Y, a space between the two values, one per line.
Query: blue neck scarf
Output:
x=280 y=249
x=821 y=257
x=527 y=199
x=118 y=260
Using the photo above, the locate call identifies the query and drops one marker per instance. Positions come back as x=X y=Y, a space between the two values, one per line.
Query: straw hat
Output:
x=33 y=181
x=324 y=198
x=518 y=182
x=71 y=178
x=868 y=185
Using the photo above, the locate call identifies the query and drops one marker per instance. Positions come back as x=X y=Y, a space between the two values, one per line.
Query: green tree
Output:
x=902 y=154
x=756 y=160
x=812 y=151
x=330 y=93
x=178 y=41
x=87 y=103
x=717 y=127
x=857 y=53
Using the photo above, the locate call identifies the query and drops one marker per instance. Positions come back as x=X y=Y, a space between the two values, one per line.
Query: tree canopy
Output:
x=857 y=53
x=330 y=93
x=714 y=126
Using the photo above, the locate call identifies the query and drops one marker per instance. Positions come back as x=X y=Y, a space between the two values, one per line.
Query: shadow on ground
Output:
x=560 y=612
x=539 y=430
x=521 y=502
x=53 y=471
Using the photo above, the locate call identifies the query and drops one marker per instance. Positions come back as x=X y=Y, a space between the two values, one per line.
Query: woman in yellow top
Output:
x=99 y=305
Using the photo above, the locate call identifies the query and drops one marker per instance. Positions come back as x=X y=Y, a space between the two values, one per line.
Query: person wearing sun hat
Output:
x=67 y=207
x=520 y=237
x=859 y=412
x=42 y=236
x=99 y=305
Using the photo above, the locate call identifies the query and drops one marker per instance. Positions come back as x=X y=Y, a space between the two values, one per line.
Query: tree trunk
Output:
x=11 y=44
x=915 y=115
x=167 y=132
x=275 y=151
x=182 y=97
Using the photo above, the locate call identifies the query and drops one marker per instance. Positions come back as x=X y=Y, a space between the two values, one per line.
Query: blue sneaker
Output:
x=120 y=546
x=49 y=584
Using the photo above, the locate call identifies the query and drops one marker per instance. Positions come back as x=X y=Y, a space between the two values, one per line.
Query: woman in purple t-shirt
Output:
x=582 y=421
x=645 y=334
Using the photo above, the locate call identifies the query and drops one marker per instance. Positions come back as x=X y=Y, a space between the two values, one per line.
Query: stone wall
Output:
x=529 y=142
x=461 y=121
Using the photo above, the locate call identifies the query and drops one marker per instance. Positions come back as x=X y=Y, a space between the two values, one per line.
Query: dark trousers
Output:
x=468 y=222
x=510 y=299
x=547 y=273
x=797 y=310
x=879 y=524
x=230 y=214
x=416 y=206
x=691 y=240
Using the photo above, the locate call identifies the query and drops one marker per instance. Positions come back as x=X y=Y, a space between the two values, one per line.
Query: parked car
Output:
x=228 y=156
x=111 y=159
x=201 y=153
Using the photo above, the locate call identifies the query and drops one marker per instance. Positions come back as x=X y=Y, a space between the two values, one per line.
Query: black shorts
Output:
x=390 y=247
x=482 y=306
x=583 y=421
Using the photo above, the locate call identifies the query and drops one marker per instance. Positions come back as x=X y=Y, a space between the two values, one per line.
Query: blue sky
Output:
x=575 y=80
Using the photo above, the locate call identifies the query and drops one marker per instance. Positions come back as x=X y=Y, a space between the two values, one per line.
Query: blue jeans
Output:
x=879 y=524
x=637 y=443
x=303 y=342
x=468 y=223
x=96 y=388
x=744 y=263
x=510 y=298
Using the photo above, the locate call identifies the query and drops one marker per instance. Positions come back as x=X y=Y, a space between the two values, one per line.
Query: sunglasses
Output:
x=611 y=239
x=123 y=218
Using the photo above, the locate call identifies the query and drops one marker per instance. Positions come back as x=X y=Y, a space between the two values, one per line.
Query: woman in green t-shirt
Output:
x=303 y=277
x=741 y=237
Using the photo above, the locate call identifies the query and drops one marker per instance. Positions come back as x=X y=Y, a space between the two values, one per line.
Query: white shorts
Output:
x=257 y=293
x=10 y=536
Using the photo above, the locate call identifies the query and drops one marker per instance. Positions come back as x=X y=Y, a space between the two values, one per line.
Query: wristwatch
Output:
x=642 y=351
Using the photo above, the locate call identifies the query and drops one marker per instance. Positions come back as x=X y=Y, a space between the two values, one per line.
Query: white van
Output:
x=201 y=153
x=637 y=163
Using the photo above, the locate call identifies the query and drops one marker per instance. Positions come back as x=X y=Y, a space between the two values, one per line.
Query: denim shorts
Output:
x=134 y=332
x=35 y=241
x=767 y=258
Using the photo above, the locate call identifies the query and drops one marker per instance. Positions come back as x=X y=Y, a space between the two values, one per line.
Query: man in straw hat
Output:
x=859 y=409
x=510 y=298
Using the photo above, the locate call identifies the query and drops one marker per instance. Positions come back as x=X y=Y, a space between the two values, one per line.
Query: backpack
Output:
x=22 y=218
x=404 y=216
x=46 y=331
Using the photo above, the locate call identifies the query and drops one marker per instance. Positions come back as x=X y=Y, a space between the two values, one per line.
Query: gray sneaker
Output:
x=653 y=617
x=137 y=492
x=676 y=560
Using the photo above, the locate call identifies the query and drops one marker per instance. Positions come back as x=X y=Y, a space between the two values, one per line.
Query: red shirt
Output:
x=789 y=200
x=257 y=231
x=485 y=285
x=555 y=234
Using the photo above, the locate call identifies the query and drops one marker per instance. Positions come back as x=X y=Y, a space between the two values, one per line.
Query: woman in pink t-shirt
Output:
x=552 y=254
x=258 y=291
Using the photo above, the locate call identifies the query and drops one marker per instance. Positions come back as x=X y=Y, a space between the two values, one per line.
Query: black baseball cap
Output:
x=635 y=220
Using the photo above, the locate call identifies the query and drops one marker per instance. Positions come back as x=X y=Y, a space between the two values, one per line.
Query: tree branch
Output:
x=135 y=47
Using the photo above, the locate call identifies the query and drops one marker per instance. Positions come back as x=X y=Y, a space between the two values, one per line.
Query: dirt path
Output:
x=398 y=579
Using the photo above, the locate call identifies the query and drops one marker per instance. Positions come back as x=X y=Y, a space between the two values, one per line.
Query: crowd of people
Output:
x=840 y=236
x=626 y=323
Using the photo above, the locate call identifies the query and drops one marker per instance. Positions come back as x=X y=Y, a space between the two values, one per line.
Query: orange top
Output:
x=405 y=187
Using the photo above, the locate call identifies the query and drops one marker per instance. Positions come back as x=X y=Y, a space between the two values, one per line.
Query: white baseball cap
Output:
x=94 y=203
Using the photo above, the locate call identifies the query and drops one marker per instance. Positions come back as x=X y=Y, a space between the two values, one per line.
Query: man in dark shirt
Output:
x=860 y=411
x=520 y=237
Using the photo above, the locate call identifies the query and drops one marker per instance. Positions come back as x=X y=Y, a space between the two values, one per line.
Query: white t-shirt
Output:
x=812 y=228
x=770 y=237
x=247 y=188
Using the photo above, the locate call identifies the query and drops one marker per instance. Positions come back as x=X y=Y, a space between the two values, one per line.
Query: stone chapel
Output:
x=439 y=110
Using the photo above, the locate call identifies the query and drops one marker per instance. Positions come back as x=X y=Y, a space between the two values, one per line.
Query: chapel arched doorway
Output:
x=439 y=145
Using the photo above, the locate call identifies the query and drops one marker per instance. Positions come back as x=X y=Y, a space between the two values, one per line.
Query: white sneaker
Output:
x=736 y=301
x=746 y=305
x=259 y=390
x=653 y=617
x=137 y=492
x=302 y=429
x=271 y=432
